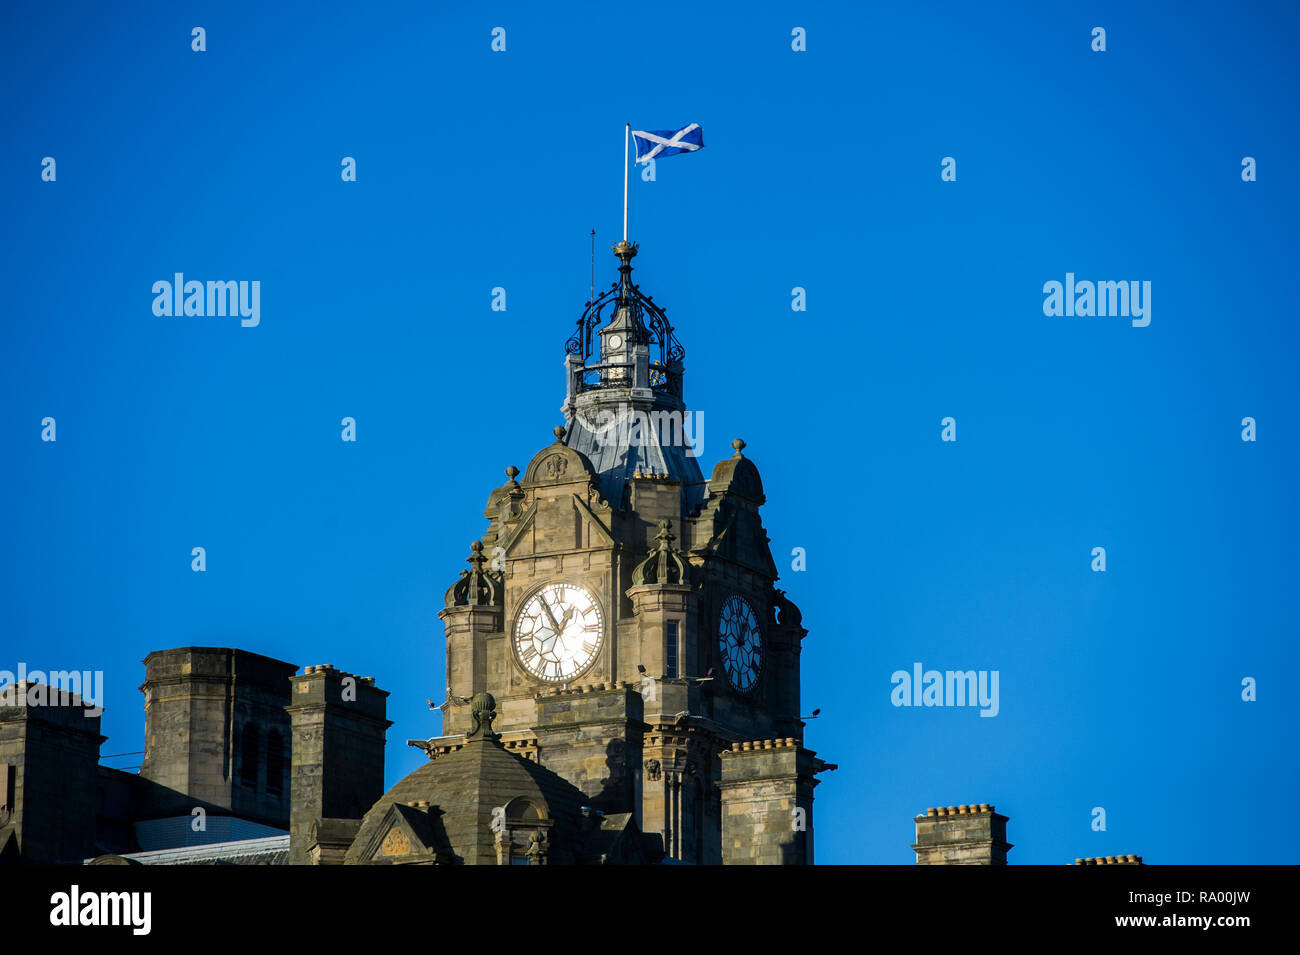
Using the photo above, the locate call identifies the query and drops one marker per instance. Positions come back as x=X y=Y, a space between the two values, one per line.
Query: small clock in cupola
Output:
x=614 y=352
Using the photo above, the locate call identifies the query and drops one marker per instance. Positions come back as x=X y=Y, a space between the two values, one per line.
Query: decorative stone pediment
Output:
x=589 y=530
x=558 y=464
x=596 y=524
x=408 y=834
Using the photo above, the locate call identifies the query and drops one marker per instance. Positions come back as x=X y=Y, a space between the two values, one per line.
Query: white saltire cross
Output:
x=663 y=144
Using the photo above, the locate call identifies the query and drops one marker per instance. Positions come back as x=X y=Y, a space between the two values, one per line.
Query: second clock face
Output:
x=740 y=643
x=558 y=632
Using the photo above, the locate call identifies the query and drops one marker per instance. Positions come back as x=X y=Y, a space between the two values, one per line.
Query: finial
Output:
x=476 y=558
x=483 y=710
x=663 y=565
x=559 y=432
x=511 y=472
x=625 y=251
x=739 y=445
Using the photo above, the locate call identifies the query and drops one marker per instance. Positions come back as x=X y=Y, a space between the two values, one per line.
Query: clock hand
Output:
x=549 y=615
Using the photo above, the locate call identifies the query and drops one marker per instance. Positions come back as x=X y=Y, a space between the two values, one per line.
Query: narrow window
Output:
x=274 y=764
x=248 y=756
x=670 y=651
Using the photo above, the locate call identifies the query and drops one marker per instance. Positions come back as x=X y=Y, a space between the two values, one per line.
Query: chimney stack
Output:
x=961 y=835
x=1111 y=860
x=339 y=729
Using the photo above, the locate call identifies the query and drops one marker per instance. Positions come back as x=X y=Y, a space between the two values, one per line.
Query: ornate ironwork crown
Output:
x=649 y=322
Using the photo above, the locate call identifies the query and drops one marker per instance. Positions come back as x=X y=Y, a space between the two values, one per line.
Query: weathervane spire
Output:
x=627 y=135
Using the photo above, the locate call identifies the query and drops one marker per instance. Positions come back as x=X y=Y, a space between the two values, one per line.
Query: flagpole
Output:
x=627 y=132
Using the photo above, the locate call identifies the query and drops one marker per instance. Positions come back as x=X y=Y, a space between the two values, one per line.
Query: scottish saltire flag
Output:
x=657 y=143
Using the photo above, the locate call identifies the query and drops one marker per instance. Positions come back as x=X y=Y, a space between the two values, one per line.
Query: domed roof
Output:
x=738 y=475
x=444 y=811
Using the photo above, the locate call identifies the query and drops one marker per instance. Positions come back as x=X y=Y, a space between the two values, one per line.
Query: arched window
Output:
x=521 y=812
x=274 y=763
x=249 y=746
x=523 y=826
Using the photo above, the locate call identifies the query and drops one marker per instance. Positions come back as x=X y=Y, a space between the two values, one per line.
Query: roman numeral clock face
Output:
x=740 y=643
x=558 y=632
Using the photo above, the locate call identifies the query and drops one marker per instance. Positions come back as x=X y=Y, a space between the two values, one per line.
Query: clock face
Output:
x=558 y=632
x=741 y=643
x=615 y=342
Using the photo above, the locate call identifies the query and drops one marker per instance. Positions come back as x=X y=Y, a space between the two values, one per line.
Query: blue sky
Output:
x=478 y=169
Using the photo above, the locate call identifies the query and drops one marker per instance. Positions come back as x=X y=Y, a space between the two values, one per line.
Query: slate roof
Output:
x=272 y=850
x=620 y=446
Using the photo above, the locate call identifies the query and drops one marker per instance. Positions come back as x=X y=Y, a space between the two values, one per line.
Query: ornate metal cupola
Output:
x=636 y=349
x=624 y=406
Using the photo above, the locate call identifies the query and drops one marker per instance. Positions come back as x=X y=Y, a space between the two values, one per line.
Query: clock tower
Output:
x=621 y=610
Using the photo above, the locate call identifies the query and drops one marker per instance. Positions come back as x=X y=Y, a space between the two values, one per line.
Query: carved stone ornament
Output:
x=478 y=587
x=537 y=847
x=395 y=844
x=483 y=710
x=664 y=565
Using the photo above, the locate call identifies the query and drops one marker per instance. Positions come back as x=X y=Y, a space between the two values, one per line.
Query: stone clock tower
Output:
x=622 y=612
